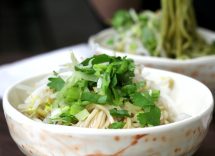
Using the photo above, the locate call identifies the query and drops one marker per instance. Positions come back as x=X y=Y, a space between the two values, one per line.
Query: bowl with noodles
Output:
x=106 y=105
x=162 y=40
x=200 y=68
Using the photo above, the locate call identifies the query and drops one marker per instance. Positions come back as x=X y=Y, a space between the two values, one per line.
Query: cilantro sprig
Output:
x=117 y=125
x=105 y=80
x=56 y=83
x=119 y=113
x=150 y=118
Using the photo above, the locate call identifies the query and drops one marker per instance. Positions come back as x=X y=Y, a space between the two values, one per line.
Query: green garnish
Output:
x=56 y=83
x=149 y=33
x=152 y=117
x=117 y=125
x=65 y=119
x=94 y=98
x=119 y=113
x=121 y=18
x=145 y=99
x=106 y=81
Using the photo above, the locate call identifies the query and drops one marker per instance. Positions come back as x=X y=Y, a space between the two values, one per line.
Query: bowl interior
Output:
x=16 y=95
x=189 y=96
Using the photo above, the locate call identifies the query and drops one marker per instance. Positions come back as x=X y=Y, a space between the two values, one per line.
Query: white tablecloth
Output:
x=47 y=62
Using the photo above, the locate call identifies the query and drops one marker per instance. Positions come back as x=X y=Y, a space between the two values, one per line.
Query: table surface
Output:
x=9 y=148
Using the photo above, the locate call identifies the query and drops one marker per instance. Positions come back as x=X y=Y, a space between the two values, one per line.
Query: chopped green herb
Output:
x=75 y=108
x=119 y=113
x=93 y=97
x=56 y=83
x=65 y=119
x=152 y=117
x=142 y=99
x=121 y=18
x=117 y=125
x=155 y=94
x=103 y=80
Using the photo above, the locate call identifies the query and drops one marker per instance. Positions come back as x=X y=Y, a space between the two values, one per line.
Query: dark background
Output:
x=30 y=27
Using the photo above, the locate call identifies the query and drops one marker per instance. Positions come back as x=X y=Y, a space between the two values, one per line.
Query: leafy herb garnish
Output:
x=105 y=80
x=119 y=113
x=56 y=83
x=65 y=119
x=152 y=117
x=117 y=125
x=145 y=99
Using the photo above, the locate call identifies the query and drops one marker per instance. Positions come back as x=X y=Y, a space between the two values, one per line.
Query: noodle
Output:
x=115 y=99
x=99 y=116
x=171 y=32
x=179 y=37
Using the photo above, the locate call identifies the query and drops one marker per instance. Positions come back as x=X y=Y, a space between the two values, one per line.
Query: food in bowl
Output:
x=170 y=33
x=142 y=39
x=101 y=92
x=192 y=102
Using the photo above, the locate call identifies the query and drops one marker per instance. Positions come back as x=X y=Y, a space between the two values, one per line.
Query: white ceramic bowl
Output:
x=175 y=139
x=202 y=68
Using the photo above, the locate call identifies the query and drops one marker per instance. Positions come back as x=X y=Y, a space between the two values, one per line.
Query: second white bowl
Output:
x=202 y=68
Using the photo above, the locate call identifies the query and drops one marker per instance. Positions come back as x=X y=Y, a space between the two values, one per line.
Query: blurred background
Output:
x=30 y=27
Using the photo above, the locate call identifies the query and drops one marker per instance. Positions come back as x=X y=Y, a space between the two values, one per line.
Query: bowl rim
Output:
x=97 y=47
x=20 y=118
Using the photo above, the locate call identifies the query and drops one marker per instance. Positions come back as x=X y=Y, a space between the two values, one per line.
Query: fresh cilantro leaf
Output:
x=129 y=89
x=72 y=94
x=94 y=97
x=132 y=88
x=140 y=85
x=75 y=108
x=114 y=81
x=97 y=59
x=117 y=125
x=106 y=79
x=65 y=119
x=56 y=83
x=117 y=97
x=127 y=74
x=119 y=113
x=123 y=66
x=145 y=99
x=88 y=69
x=142 y=99
x=121 y=19
x=150 y=118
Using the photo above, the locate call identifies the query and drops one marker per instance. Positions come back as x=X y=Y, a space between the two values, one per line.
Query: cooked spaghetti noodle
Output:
x=179 y=37
x=171 y=32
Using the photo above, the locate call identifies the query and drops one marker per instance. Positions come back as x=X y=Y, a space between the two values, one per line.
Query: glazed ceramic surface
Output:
x=175 y=139
x=202 y=68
